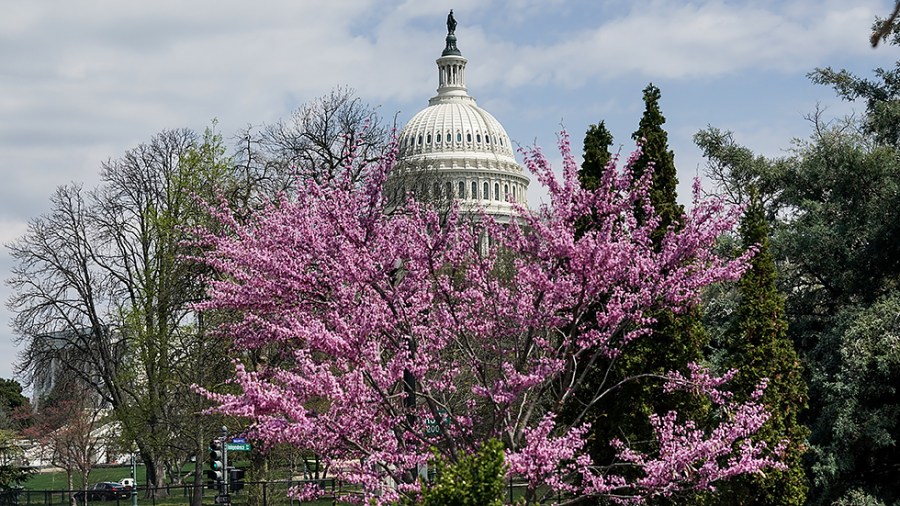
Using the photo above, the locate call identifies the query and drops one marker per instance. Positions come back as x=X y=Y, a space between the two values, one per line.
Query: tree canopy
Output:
x=399 y=333
x=832 y=203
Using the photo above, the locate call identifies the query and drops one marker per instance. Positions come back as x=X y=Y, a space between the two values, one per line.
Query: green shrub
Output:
x=476 y=480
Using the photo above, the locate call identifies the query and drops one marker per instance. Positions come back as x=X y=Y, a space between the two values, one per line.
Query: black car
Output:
x=104 y=491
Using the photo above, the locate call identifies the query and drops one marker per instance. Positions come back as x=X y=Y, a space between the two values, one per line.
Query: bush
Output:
x=476 y=480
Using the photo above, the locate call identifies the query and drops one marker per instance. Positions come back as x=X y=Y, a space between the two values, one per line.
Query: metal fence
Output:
x=270 y=493
x=267 y=493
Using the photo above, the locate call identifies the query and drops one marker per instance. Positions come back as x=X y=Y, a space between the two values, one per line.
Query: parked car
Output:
x=103 y=491
x=128 y=483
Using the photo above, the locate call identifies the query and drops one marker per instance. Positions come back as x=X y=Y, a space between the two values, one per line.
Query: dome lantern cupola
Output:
x=451 y=68
x=451 y=78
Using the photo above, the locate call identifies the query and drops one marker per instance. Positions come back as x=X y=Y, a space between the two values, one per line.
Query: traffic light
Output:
x=216 y=461
x=236 y=478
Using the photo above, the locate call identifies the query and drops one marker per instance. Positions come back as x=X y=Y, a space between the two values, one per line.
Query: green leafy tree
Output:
x=11 y=400
x=834 y=204
x=855 y=436
x=476 y=480
x=758 y=346
x=103 y=291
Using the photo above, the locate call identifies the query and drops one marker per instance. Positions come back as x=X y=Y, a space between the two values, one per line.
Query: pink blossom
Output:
x=347 y=300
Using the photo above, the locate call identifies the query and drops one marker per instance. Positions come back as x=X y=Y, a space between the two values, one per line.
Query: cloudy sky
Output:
x=82 y=81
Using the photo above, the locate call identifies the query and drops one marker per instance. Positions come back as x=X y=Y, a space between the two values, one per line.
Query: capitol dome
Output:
x=455 y=149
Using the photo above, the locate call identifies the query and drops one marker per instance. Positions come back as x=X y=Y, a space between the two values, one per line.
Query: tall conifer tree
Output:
x=760 y=348
x=656 y=152
x=676 y=340
x=597 y=141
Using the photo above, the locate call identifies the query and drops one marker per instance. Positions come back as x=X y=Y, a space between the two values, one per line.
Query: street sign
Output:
x=432 y=426
x=237 y=447
x=238 y=440
x=223 y=499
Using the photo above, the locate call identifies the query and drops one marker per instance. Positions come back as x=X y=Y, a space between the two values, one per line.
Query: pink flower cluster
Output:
x=355 y=308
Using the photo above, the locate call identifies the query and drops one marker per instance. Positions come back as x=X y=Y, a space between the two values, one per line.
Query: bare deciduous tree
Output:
x=314 y=143
x=102 y=289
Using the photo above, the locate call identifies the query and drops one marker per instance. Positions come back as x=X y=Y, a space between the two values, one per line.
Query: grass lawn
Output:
x=56 y=480
x=47 y=489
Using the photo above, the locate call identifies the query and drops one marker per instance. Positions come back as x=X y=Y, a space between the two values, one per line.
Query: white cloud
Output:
x=688 y=40
x=81 y=82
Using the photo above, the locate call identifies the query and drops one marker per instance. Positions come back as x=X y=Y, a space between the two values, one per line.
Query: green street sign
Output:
x=237 y=447
x=432 y=426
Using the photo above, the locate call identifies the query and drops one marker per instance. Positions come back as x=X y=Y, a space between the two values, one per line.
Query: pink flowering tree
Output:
x=390 y=334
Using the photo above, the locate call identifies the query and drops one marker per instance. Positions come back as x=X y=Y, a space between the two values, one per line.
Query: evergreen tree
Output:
x=834 y=207
x=597 y=141
x=655 y=144
x=677 y=338
x=759 y=347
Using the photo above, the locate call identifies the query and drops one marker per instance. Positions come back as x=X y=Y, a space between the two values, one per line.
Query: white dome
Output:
x=452 y=127
x=460 y=148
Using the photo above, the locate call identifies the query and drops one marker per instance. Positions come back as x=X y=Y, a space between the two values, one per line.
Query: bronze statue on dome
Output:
x=451 y=23
x=450 y=48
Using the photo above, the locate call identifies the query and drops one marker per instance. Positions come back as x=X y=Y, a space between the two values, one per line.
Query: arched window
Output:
x=448 y=137
x=487 y=192
x=428 y=139
x=496 y=191
x=487 y=139
x=436 y=191
x=478 y=138
x=420 y=139
x=506 y=192
x=468 y=137
x=514 y=199
x=449 y=190
x=458 y=136
x=474 y=190
x=461 y=190
x=437 y=137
